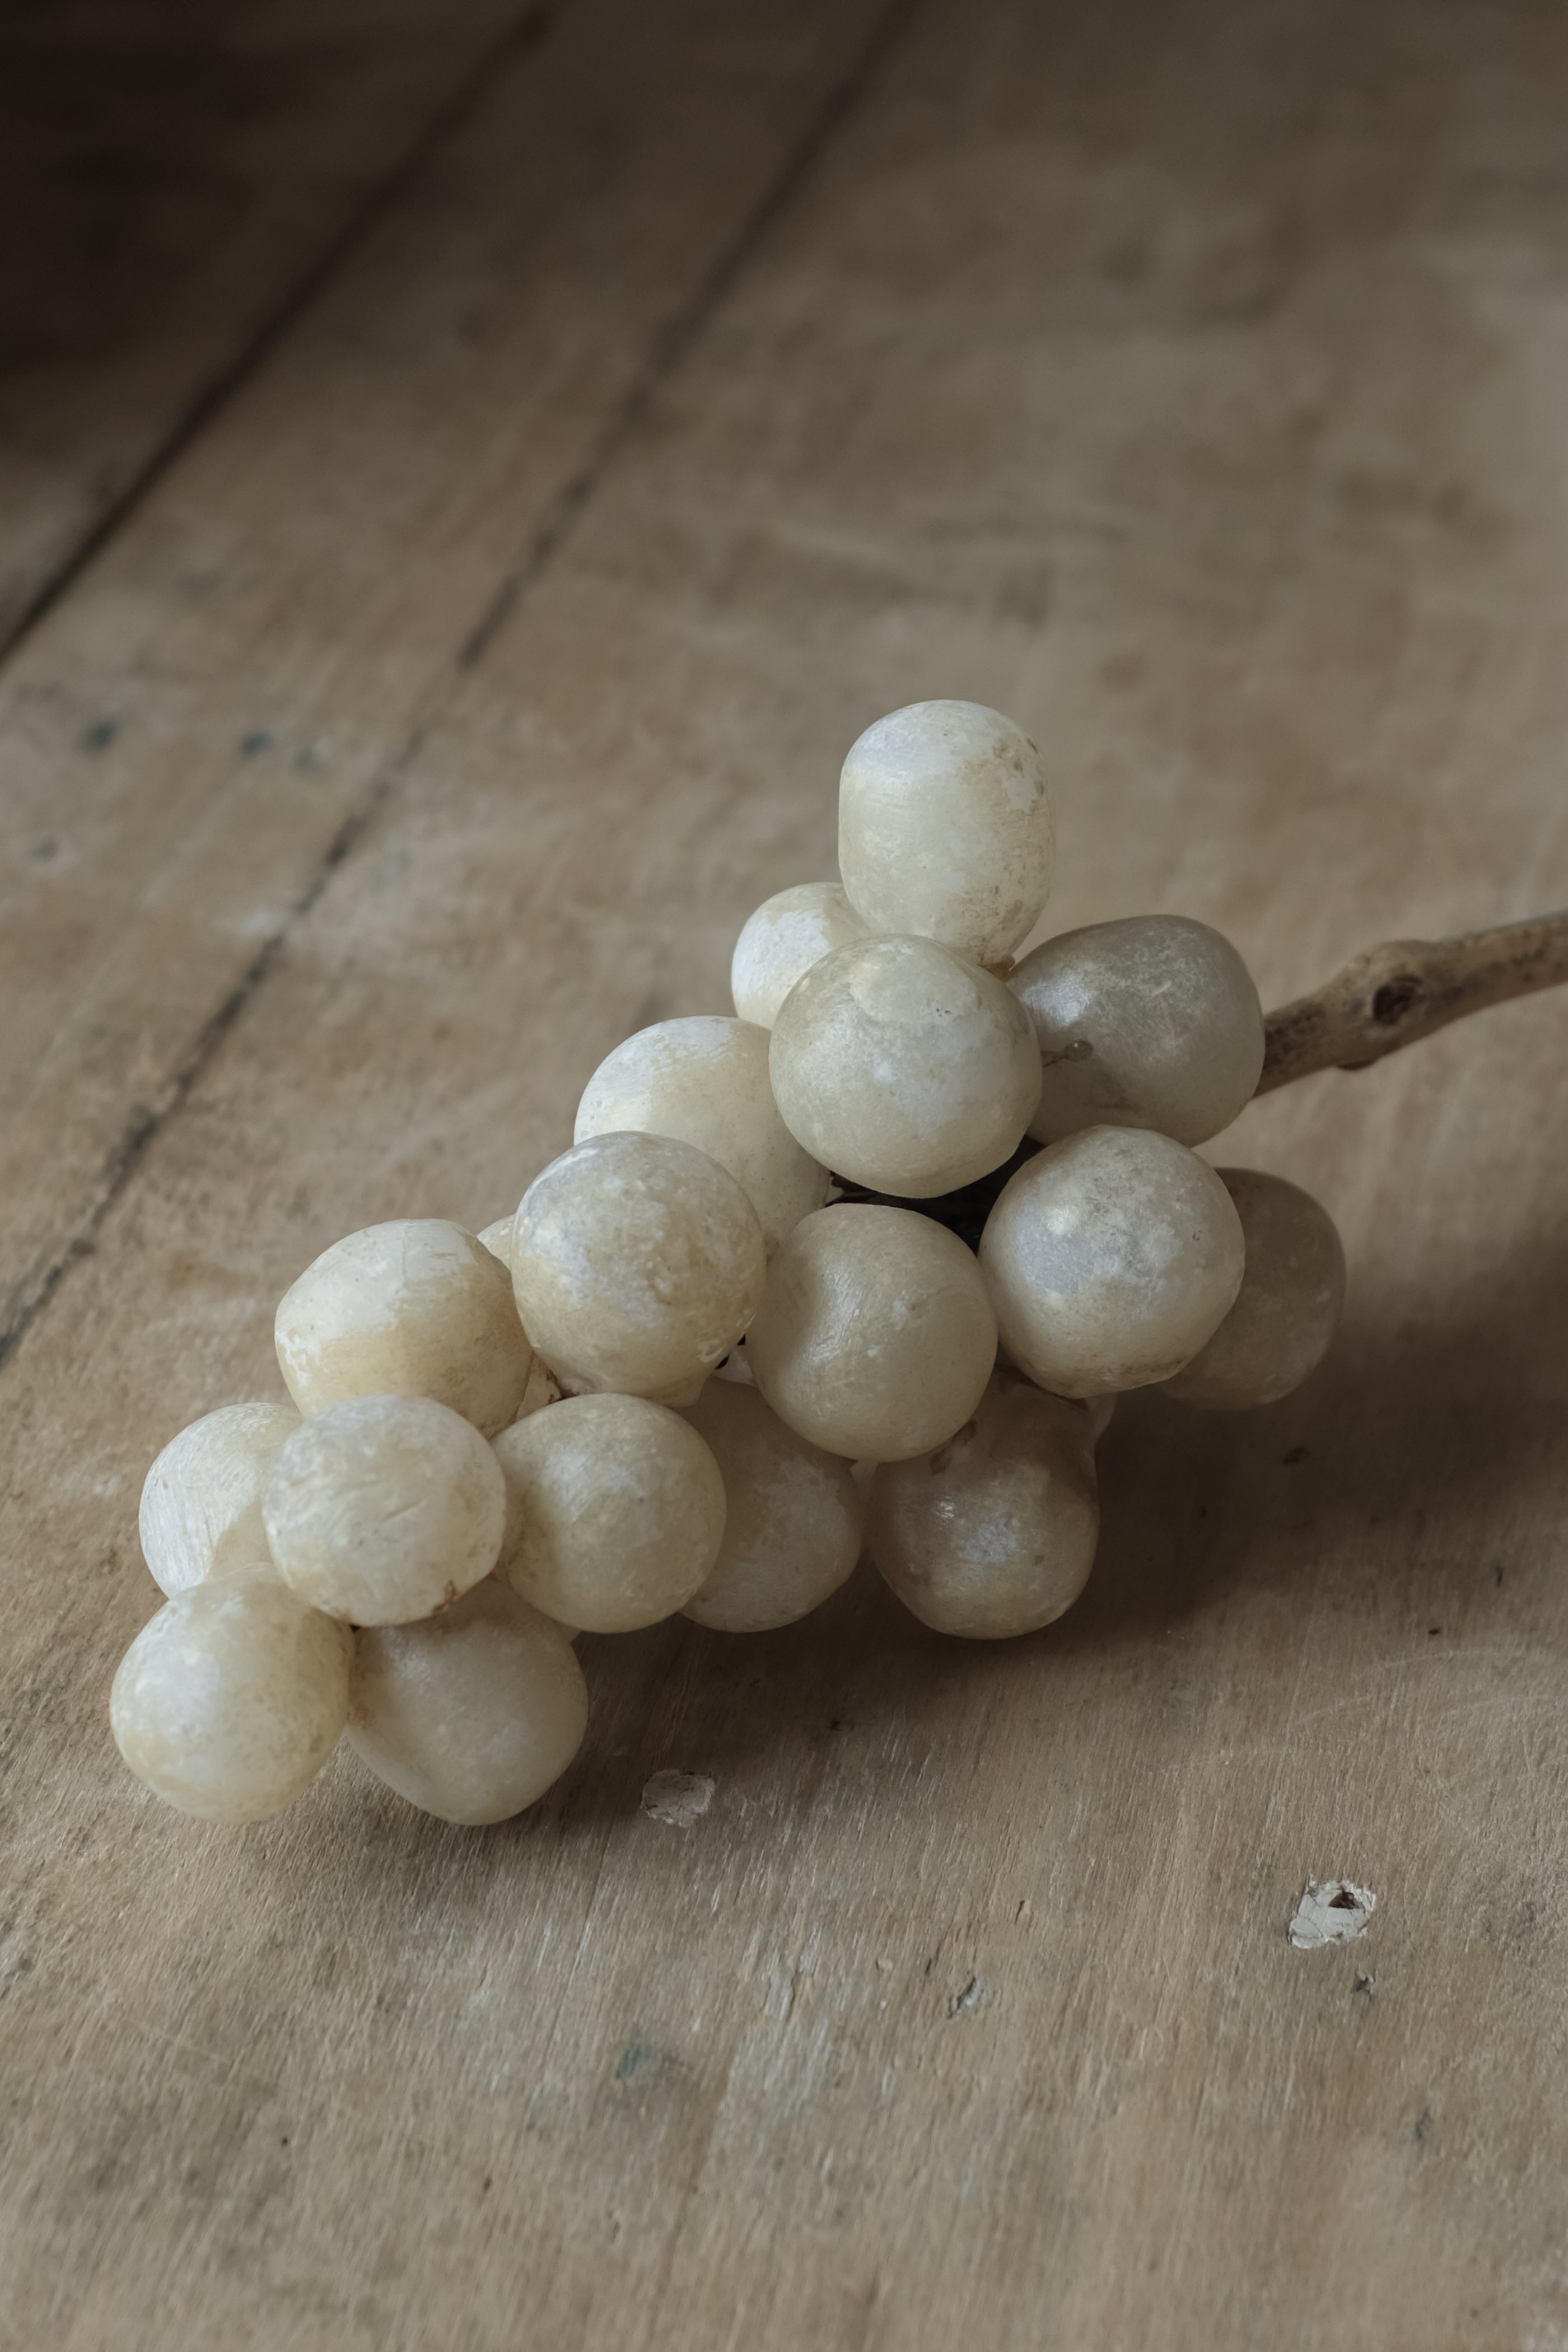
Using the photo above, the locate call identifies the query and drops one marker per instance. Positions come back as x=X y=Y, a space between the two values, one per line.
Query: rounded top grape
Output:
x=414 y=1308
x=200 y=1505
x=779 y=944
x=876 y=1337
x=904 y=1067
x=945 y=829
x=1150 y=1021
x=637 y=1262
x=1110 y=1259
x=704 y=1080
x=1288 y=1309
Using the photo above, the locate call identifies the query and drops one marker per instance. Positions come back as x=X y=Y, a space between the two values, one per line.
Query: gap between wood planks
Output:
x=526 y=33
x=670 y=344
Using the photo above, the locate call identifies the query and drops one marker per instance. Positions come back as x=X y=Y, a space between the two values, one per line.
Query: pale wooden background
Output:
x=468 y=473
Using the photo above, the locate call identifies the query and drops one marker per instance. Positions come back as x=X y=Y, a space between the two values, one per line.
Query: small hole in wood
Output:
x=1394 y=1000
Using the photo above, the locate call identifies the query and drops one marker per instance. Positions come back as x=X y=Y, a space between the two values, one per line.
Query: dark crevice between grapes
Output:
x=964 y=1213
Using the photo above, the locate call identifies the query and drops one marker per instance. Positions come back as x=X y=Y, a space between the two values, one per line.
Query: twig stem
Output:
x=1393 y=995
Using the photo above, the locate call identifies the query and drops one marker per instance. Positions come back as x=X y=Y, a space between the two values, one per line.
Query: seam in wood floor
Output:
x=145 y=1125
x=526 y=33
x=685 y=326
x=669 y=346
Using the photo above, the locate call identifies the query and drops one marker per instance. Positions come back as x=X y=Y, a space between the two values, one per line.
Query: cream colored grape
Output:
x=416 y=1308
x=945 y=829
x=230 y=1701
x=875 y=1338
x=993 y=1534
x=385 y=1509
x=615 y=1511
x=472 y=1715
x=791 y=1530
x=780 y=944
x=639 y=1262
x=705 y=1081
x=1152 y=1021
x=903 y=1067
x=200 y=1505
x=1111 y=1259
x=1288 y=1309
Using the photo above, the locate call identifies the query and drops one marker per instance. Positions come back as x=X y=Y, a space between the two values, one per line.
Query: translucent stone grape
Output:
x=1111 y=1259
x=993 y=1534
x=705 y=1081
x=1152 y=1021
x=200 y=1505
x=903 y=1067
x=471 y=1715
x=615 y=1511
x=782 y=940
x=416 y=1308
x=381 y=1509
x=875 y=1338
x=791 y=1532
x=231 y=1700
x=1288 y=1309
x=945 y=828
x=638 y=1262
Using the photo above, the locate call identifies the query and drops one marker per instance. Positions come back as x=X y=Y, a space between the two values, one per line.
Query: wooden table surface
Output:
x=469 y=472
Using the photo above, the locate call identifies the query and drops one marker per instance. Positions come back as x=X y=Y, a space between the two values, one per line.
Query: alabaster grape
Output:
x=875 y=1338
x=782 y=940
x=903 y=1067
x=471 y=1715
x=705 y=1081
x=416 y=1308
x=1152 y=1021
x=1288 y=1309
x=1111 y=1259
x=200 y=1505
x=228 y=1703
x=791 y=1530
x=993 y=1534
x=615 y=1511
x=637 y=1262
x=381 y=1509
x=945 y=828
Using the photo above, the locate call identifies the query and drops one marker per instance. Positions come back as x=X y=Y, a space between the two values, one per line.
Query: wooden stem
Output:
x=1395 y=994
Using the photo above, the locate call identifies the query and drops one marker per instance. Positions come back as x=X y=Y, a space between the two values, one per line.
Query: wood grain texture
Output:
x=193 y=742
x=172 y=183
x=1184 y=380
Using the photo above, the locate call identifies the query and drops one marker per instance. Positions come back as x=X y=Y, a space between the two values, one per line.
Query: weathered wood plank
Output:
x=186 y=741
x=1185 y=390
x=171 y=184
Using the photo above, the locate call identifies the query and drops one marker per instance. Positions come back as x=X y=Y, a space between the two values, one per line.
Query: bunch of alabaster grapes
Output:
x=496 y=1441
